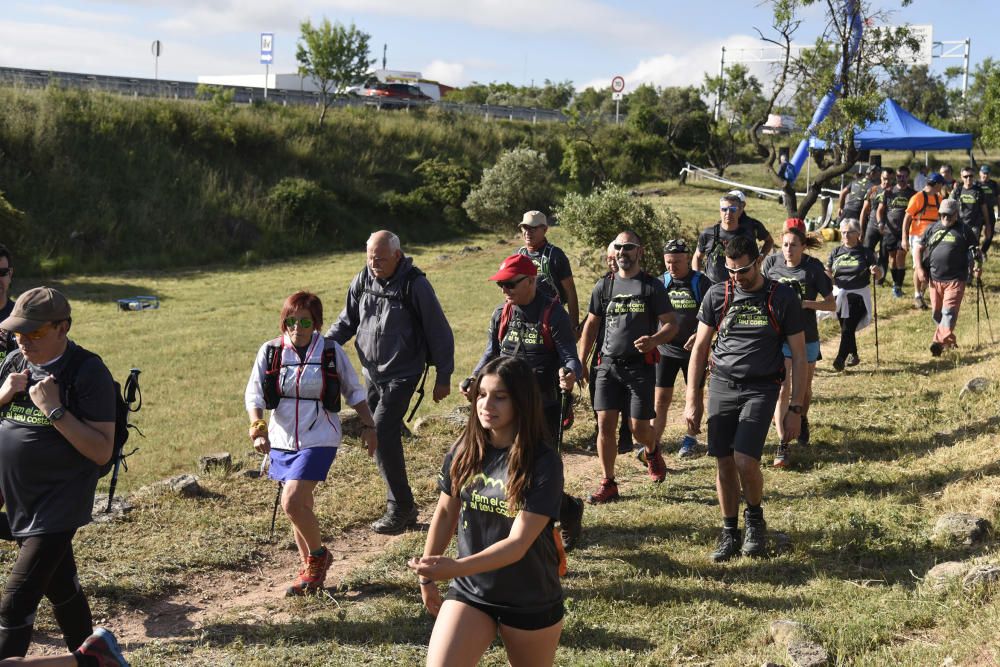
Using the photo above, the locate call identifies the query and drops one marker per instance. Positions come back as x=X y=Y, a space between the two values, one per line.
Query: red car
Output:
x=393 y=94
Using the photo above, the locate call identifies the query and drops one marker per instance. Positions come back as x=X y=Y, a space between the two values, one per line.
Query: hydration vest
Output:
x=271 y=381
x=545 y=281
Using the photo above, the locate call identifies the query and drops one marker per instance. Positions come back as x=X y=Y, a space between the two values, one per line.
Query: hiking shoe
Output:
x=688 y=447
x=919 y=303
x=838 y=364
x=312 y=576
x=803 y=438
x=852 y=360
x=782 y=456
x=656 y=466
x=103 y=647
x=571 y=524
x=727 y=546
x=897 y=292
x=755 y=537
x=936 y=349
x=606 y=492
x=395 y=521
x=625 y=447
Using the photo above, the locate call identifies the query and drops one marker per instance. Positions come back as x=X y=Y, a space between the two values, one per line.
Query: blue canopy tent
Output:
x=900 y=131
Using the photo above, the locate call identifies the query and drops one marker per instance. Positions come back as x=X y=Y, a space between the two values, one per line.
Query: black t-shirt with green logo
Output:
x=552 y=264
x=48 y=485
x=876 y=196
x=970 y=204
x=808 y=279
x=684 y=303
x=949 y=250
x=712 y=244
x=748 y=346
x=630 y=308
x=532 y=583
x=851 y=267
x=992 y=191
x=895 y=204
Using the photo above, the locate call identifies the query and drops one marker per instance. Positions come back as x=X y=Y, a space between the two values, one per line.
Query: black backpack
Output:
x=272 y=371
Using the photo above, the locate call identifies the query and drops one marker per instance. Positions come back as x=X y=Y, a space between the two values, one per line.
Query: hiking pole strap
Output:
x=420 y=392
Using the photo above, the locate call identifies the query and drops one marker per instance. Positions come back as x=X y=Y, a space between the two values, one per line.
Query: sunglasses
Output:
x=37 y=334
x=741 y=270
x=729 y=209
x=510 y=284
x=5 y=271
x=302 y=322
x=625 y=247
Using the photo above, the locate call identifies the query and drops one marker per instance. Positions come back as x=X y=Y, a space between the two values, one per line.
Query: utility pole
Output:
x=384 y=49
x=722 y=79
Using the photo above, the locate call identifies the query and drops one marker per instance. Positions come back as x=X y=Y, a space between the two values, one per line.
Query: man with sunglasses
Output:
x=53 y=440
x=398 y=327
x=530 y=325
x=751 y=317
x=972 y=202
x=710 y=253
x=893 y=212
x=551 y=262
x=873 y=216
x=7 y=343
x=634 y=311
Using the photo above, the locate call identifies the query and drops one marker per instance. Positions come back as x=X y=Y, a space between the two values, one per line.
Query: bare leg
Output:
x=810 y=372
x=643 y=434
x=460 y=637
x=781 y=407
x=751 y=478
x=531 y=648
x=607 y=447
x=297 y=501
x=727 y=485
x=42 y=661
x=664 y=395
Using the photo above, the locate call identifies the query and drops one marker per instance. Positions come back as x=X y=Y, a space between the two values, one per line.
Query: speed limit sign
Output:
x=617 y=84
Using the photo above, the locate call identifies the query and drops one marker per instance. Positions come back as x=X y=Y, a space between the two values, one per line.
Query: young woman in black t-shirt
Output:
x=501 y=487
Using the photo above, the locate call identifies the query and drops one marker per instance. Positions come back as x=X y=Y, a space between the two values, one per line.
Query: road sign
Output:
x=617 y=84
x=617 y=96
x=157 y=48
x=266 y=48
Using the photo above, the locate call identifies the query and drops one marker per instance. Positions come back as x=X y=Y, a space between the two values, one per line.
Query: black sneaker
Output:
x=936 y=349
x=852 y=360
x=803 y=438
x=727 y=546
x=838 y=364
x=395 y=521
x=625 y=447
x=755 y=539
x=571 y=523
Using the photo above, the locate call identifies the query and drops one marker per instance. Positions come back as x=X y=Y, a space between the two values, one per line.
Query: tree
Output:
x=922 y=93
x=990 y=116
x=333 y=55
x=856 y=77
x=519 y=181
x=743 y=104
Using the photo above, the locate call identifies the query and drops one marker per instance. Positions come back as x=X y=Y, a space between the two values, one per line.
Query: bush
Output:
x=599 y=217
x=301 y=205
x=520 y=181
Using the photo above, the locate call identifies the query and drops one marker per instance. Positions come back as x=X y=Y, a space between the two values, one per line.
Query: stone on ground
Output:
x=960 y=529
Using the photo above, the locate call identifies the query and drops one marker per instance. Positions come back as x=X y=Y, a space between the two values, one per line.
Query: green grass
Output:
x=891 y=451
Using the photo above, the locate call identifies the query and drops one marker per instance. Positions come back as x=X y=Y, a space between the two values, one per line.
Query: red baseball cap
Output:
x=795 y=223
x=513 y=266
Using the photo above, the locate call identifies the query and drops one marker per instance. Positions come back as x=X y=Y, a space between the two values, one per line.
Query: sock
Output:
x=731 y=523
x=897 y=277
x=318 y=552
x=755 y=511
x=85 y=660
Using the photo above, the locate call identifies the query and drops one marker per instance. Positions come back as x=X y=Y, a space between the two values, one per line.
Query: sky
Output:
x=587 y=42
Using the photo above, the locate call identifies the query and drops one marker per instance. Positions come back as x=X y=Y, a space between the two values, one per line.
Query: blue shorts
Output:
x=812 y=351
x=310 y=464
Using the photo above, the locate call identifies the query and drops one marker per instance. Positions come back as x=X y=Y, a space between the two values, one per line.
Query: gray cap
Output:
x=948 y=207
x=35 y=308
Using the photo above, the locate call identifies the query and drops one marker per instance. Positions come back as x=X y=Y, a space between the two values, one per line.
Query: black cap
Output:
x=675 y=246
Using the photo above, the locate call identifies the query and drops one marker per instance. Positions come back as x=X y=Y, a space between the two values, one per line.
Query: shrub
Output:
x=520 y=181
x=301 y=205
x=600 y=216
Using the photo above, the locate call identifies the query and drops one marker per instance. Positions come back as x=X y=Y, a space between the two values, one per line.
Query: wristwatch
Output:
x=797 y=409
x=57 y=414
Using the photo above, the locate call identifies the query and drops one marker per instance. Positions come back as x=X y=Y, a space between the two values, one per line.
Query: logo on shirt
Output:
x=745 y=315
x=800 y=290
x=26 y=415
x=623 y=304
x=682 y=299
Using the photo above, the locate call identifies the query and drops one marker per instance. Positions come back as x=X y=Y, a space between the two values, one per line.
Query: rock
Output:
x=807 y=654
x=119 y=508
x=769 y=664
x=960 y=529
x=469 y=249
x=780 y=544
x=218 y=461
x=784 y=632
x=350 y=425
x=981 y=575
x=975 y=386
x=943 y=575
x=250 y=473
x=183 y=485
x=443 y=258
x=453 y=420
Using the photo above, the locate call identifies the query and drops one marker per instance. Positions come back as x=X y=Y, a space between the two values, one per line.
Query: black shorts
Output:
x=892 y=240
x=666 y=372
x=872 y=235
x=617 y=385
x=512 y=616
x=739 y=416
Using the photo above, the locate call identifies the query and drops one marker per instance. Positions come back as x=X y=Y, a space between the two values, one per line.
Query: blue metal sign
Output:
x=266 y=48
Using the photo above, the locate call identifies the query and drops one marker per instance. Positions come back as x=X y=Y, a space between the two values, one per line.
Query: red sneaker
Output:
x=606 y=492
x=656 y=466
x=103 y=646
x=312 y=576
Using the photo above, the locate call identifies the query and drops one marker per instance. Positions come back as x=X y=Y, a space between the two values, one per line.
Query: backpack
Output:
x=772 y=318
x=272 y=372
x=508 y=312
x=543 y=281
x=695 y=284
x=607 y=290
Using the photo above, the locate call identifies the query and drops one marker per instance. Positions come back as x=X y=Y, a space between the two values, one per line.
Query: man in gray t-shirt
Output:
x=57 y=428
x=751 y=317
x=634 y=312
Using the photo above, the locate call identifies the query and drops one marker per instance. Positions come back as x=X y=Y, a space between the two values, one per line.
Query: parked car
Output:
x=393 y=94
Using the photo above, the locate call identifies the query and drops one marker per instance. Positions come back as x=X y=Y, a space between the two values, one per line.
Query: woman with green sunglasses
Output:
x=300 y=378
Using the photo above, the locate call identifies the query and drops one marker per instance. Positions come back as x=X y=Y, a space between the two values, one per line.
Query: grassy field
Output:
x=891 y=451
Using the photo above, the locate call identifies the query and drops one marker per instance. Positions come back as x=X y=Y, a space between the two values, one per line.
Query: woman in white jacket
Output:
x=301 y=377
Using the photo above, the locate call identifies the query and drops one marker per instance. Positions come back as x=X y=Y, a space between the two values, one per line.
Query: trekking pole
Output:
x=875 y=319
x=131 y=389
x=979 y=291
x=986 y=309
x=274 y=512
x=563 y=405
